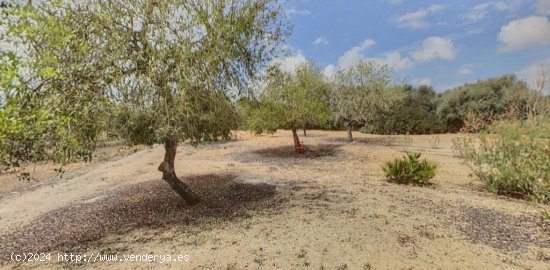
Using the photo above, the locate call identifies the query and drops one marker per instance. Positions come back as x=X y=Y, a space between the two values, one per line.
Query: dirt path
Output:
x=77 y=187
x=264 y=208
x=81 y=185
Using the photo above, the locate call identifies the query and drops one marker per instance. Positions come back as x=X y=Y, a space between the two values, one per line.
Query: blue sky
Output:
x=441 y=43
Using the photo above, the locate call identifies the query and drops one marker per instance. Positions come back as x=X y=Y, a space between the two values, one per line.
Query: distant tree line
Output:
x=416 y=115
x=468 y=108
x=166 y=72
x=364 y=97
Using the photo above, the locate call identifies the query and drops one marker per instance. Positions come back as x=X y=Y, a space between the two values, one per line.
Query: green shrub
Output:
x=513 y=161
x=410 y=170
x=405 y=140
x=388 y=140
x=474 y=105
x=410 y=119
x=434 y=141
x=369 y=129
x=415 y=115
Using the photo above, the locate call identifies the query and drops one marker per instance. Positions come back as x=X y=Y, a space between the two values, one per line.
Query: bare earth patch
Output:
x=47 y=175
x=266 y=208
x=148 y=205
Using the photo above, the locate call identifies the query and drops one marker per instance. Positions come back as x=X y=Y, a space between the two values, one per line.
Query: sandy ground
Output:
x=266 y=208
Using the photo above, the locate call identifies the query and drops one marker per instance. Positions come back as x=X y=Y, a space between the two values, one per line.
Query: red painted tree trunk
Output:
x=295 y=137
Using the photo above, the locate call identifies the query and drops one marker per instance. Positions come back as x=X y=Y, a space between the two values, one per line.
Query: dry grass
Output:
x=148 y=205
x=266 y=208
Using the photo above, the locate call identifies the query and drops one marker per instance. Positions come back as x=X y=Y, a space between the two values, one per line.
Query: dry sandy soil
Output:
x=266 y=208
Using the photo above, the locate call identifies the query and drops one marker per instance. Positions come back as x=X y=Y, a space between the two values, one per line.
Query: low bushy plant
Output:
x=410 y=170
x=388 y=140
x=434 y=141
x=514 y=159
x=405 y=140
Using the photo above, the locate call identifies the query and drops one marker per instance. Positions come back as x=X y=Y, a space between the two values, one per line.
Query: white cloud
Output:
x=468 y=69
x=525 y=33
x=480 y=11
x=435 y=48
x=507 y=5
x=394 y=60
x=417 y=19
x=534 y=72
x=320 y=41
x=291 y=12
x=330 y=71
x=421 y=81
x=290 y=63
x=396 y=2
x=465 y=71
x=543 y=7
x=354 y=54
x=475 y=31
x=431 y=48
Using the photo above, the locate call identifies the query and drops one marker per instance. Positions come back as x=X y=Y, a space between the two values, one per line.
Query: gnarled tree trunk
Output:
x=169 y=173
x=296 y=139
x=350 y=128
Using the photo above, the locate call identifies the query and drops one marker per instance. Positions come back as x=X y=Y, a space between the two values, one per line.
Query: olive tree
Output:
x=255 y=116
x=362 y=92
x=148 y=71
x=294 y=100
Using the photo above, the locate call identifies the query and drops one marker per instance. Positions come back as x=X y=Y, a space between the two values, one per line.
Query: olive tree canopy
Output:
x=294 y=100
x=148 y=71
x=363 y=91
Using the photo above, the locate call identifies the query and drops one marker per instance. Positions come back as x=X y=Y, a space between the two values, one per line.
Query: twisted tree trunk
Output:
x=169 y=173
x=350 y=128
x=296 y=139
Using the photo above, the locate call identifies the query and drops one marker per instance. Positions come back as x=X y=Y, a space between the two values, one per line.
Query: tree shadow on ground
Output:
x=311 y=135
x=388 y=140
x=150 y=205
x=503 y=231
x=344 y=140
x=311 y=151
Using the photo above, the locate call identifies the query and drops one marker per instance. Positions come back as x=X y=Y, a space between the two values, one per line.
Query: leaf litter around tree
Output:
x=286 y=155
x=499 y=230
x=503 y=231
x=342 y=193
x=148 y=205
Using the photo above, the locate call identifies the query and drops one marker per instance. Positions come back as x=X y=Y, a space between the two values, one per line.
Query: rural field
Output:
x=274 y=134
x=264 y=207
